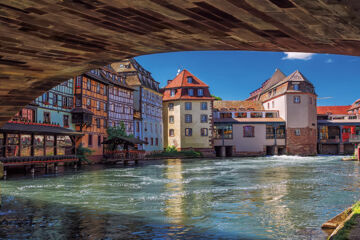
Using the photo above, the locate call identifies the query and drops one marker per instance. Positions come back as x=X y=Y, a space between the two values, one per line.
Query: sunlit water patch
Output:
x=278 y=197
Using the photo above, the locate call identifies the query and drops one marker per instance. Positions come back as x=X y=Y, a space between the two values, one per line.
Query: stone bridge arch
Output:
x=44 y=42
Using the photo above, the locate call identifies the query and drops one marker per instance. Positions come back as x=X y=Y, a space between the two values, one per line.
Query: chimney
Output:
x=169 y=81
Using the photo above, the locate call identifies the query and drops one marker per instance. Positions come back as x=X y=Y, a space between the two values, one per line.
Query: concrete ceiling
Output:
x=44 y=42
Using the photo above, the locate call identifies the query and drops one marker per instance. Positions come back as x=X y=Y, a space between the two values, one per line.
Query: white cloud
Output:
x=297 y=55
x=329 y=60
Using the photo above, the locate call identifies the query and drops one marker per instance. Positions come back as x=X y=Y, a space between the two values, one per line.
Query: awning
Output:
x=37 y=128
x=81 y=110
x=124 y=140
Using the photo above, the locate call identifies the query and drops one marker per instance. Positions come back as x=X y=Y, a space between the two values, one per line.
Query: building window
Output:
x=270 y=115
x=189 y=79
x=188 y=106
x=171 y=106
x=268 y=105
x=156 y=141
x=152 y=141
x=98 y=87
x=98 y=123
x=66 y=120
x=47 y=117
x=240 y=115
x=137 y=127
x=297 y=99
x=88 y=103
x=204 y=106
x=146 y=140
x=204 y=118
x=90 y=138
x=99 y=141
x=310 y=100
x=98 y=105
x=172 y=92
x=171 y=132
x=188 y=118
x=88 y=84
x=64 y=102
x=296 y=86
x=270 y=132
x=249 y=131
x=256 y=115
x=78 y=82
x=200 y=92
x=46 y=98
x=55 y=100
x=273 y=104
x=171 y=119
x=77 y=101
x=223 y=131
x=188 y=131
x=297 y=132
x=204 y=132
x=105 y=90
x=105 y=107
x=191 y=92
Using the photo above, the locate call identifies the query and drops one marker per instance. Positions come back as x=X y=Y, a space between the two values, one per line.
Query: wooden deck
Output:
x=24 y=161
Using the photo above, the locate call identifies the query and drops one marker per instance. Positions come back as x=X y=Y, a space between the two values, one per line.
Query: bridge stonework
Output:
x=45 y=42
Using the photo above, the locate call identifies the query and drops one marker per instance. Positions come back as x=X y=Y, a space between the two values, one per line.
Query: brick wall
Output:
x=305 y=144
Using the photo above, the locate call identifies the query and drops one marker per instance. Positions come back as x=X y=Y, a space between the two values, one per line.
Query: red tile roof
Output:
x=336 y=110
x=181 y=81
x=181 y=86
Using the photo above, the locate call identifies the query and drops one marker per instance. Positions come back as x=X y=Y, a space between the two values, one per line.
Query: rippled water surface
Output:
x=239 y=198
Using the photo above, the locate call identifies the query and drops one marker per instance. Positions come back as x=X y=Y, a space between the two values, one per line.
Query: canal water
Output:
x=238 y=198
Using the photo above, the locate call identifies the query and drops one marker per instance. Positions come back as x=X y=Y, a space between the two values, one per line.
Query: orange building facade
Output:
x=90 y=113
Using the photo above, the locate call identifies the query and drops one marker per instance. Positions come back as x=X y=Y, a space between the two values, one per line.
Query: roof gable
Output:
x=181 y=81
x=277 y=77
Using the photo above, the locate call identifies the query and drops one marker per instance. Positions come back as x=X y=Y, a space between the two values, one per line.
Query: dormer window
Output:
x=296 y=86
x=172 y=92
x=200 y=92
x=189 y=79
x=191 y=92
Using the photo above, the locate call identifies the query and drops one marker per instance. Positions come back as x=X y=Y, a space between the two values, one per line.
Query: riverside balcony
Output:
x=33 y=144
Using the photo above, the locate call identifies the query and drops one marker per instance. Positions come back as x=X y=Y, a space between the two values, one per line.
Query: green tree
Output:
x=216 y=98
x=83 y=154
x=117 y=131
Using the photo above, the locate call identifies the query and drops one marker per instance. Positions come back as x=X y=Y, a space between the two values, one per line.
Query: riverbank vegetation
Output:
x=171 y=151
x=344 y=233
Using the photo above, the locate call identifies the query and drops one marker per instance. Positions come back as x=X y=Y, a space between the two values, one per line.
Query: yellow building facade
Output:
x=187 y=114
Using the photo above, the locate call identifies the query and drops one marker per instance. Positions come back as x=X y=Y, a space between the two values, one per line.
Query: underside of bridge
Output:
x=45 y=42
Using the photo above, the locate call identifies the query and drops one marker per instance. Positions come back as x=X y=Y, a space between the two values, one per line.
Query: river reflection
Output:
x=240 y=198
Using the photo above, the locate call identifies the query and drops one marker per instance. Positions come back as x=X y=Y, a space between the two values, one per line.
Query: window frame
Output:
x=202 y=104
x=245 y=133
x=201 y=118
x=190 y=90
x=296 y=97
x=188 y=104
x=188 y=118
x=188 y=132
x=201 y=132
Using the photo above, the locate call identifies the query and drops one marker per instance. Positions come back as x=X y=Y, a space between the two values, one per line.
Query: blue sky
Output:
x=232 y=75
